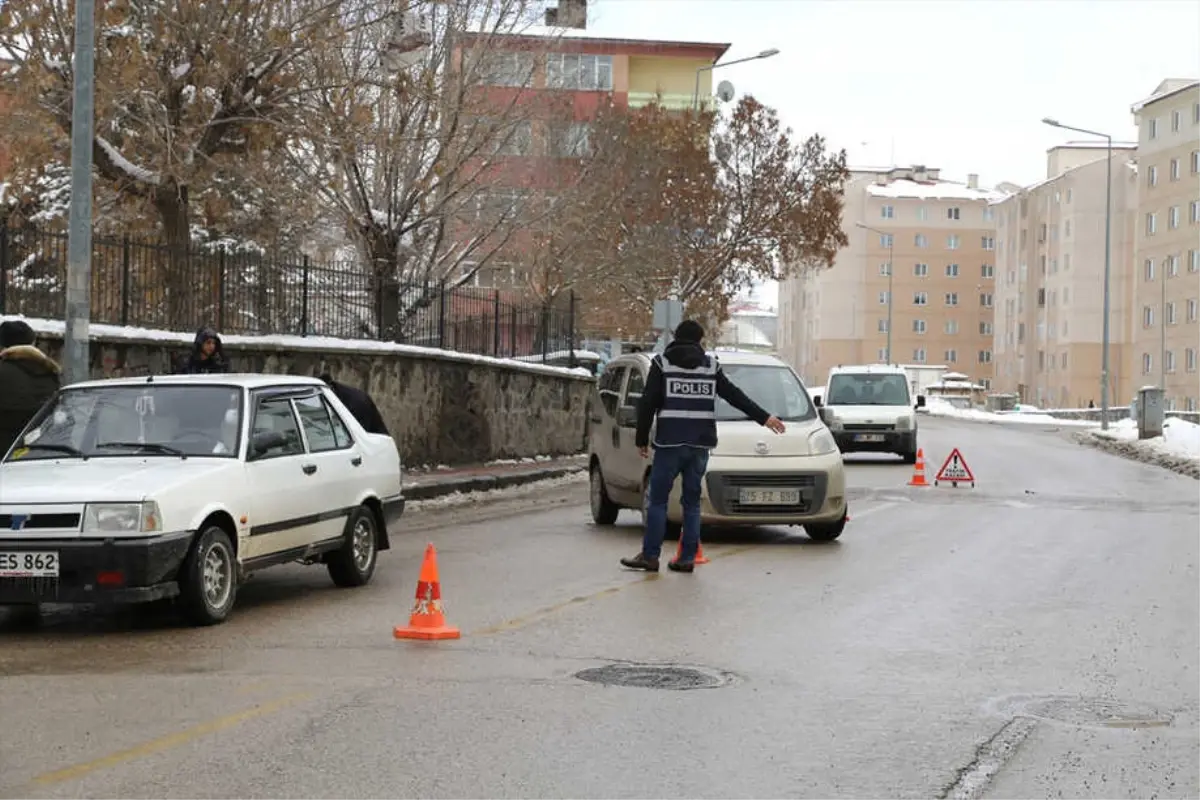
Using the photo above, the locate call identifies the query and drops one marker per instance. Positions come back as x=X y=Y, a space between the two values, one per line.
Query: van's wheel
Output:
x=829 y=531
x=604 y=510
x=909 y=458
x=353 y=563
x=208 y=579
x=674 y=529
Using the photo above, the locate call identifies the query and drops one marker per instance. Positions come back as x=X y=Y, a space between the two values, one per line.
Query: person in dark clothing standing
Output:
x=681 y=391
x=207 y=355
x=359 y=404
x=28 y=378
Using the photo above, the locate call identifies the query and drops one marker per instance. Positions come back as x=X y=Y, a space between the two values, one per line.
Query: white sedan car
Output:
x=138 y=489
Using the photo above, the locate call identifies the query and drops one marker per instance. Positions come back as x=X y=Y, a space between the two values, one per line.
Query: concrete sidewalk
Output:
x=438 y=483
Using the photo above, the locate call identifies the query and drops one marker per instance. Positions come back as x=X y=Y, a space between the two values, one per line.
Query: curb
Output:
x=1124 y=449
x=487 y=483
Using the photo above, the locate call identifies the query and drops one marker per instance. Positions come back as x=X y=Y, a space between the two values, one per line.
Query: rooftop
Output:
x=241 y=380
x=931 y=190
x=567 y=35
x=1168 y=88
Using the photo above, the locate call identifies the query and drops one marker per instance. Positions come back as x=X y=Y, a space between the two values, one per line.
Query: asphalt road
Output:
x=1036 y=636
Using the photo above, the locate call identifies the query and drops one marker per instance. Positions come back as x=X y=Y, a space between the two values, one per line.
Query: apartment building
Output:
x=1050 y=278
x=1164 y=330
x=921 y=246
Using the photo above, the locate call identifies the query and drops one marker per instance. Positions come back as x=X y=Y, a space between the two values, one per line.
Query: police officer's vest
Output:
x=688 y=415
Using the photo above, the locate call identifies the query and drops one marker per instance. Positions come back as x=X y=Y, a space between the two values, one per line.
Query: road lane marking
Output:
x=169 y=741
x=713 y=555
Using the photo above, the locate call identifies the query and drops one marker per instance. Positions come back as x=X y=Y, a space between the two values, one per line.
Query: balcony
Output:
x=671 y=102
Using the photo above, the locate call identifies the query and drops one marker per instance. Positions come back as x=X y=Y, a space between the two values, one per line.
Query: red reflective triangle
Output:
x=955 y=470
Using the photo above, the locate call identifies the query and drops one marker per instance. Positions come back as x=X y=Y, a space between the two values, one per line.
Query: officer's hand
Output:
x=776 y=424
x=645 y=451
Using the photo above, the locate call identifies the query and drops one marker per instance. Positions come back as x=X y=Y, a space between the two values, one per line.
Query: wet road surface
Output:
x=1036 y=636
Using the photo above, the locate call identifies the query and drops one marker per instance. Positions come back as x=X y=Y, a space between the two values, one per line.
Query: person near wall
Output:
x=681 y=391
x=359 y=403
x=207 y=355
x=28 y=378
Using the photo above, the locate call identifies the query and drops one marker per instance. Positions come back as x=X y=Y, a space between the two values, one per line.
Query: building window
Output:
x=951 y=326
x=507 y=68
x=1066 y=261
x=1169 y=316
x=1053 y=265
x=885 y=269
x=919 y=355
x=985 y=356
x=952 y=242
x=951 y=298
x=1193 y=260
x=1175 y=169
x=1148 y=267
x=1196 y=114
x=989 y=243
x=1176 y=119
x=985 y=329
x=1152 y=128
x=883 y=298
x=1147 y=317
x=1195 y=161
x=1152 y=176
x=987 y=271
x=1195 y=211
x=1170 y=360
x=881 y=355
x=579 y=72
x=922 y=213
x=952 y=270
x=1147 y=363
x=887 y=212
x=1041 y=298
x=989 y=214
x=1151 y=224
x=518 y=141
x=1173 y=218
x=918 y=326
x=570 y=141
x=921 y=240
x=985 y=300
x=1189 y=359
x=1066 y=295
x=885 y=240
x=882 y=327
x=1191 y=310
x=1067 y=228
x=952 y=213
x=951 y=356
x=920 y=270
x=920 y=299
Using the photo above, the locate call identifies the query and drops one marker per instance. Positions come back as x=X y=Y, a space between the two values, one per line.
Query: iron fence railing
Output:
x=148 y=285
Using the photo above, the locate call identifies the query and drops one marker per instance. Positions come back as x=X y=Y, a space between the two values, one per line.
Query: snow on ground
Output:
x=281 y=342
x=526 y=460
x=492 y=495
x=936 y=407
x=1180 y=438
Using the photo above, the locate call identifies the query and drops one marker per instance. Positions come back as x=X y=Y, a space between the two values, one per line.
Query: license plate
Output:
x=869 y=437
x=29 y=564
x=769 y=497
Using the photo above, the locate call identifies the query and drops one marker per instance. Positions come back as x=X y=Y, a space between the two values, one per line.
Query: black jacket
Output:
x=361 y=406
x=688 y=355
x=193 y=364
x=28 y=378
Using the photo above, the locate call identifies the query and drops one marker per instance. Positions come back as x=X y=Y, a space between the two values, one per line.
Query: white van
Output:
x=754 y=477
x=870 y=410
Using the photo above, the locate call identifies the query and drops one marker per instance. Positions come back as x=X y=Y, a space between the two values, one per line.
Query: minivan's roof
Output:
x=244 y=380
x=730 y=357
x=868 y=369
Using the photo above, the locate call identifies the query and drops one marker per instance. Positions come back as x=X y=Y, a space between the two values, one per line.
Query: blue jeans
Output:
x=669 y=463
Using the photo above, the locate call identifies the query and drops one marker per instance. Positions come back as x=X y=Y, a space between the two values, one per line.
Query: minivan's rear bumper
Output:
x=892 y=441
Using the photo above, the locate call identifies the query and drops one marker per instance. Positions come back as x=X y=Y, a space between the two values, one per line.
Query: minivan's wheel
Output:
x=208 y=579
x=604 y=510
x=910 y=458
x=354 y=563
x=674 y=529
x=827 y=532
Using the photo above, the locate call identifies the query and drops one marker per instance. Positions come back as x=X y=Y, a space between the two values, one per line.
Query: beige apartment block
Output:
x=1050 y=279
x=936 y=238
x=1163 y=327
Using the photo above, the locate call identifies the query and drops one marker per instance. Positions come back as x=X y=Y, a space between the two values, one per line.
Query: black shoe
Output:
x=641 y=562
x=681 y=566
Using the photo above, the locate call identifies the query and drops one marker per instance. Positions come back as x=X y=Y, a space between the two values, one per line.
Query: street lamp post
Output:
x=891 y=272
x=1104 y=347
x=710 y=67
x=76 y=345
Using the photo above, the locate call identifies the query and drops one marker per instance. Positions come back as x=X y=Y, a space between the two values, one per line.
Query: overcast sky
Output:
x=955 y=84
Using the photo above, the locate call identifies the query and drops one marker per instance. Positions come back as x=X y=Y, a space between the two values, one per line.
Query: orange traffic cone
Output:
x=700 y=557
x=918 y=478
x=427 y=620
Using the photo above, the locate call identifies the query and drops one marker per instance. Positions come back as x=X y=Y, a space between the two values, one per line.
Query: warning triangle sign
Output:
x=955 y=470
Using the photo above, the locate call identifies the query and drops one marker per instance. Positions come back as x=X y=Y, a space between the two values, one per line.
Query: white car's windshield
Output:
x=775 y=388
x=867 y=389
x=135 y=421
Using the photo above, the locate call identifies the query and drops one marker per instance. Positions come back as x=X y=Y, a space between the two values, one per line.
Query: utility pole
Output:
x=77 y=358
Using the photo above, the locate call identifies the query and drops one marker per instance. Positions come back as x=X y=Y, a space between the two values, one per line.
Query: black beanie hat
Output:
x=689 y=331
x=16 y=332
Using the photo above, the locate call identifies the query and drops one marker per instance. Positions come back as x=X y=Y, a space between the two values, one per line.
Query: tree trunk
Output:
x=176 y=282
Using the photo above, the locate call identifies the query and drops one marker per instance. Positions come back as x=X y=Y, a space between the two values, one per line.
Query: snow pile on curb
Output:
x=493 y=495
x=1178 y=449
x=936 y=407
x=526 y=460
x=280 y=342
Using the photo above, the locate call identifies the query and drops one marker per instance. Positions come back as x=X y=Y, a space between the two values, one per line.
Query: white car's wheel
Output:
x=208 y=579
x=354 y=563
x=604 y=510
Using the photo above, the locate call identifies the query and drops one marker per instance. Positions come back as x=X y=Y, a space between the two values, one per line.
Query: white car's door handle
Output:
x=356 y=461
x=309 y=469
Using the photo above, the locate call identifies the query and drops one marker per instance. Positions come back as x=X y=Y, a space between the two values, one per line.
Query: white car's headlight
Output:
x=122 y=518
x=832 y=422
x=821 y=443
x=904 y=423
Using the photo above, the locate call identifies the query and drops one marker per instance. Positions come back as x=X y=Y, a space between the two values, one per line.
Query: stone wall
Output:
x=440 y=409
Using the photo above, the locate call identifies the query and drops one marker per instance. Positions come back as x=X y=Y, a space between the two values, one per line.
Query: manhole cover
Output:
x=1087 y=711
x=655 y=676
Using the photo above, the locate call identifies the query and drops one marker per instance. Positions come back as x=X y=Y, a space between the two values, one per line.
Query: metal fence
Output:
x=152 y=286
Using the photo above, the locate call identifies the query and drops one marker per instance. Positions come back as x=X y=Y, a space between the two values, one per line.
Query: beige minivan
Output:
x=754 y=477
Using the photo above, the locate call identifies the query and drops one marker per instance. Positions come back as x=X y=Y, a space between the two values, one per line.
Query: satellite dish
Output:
x=725 y=91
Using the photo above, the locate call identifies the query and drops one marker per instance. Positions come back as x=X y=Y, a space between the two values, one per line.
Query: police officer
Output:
x=682 y=390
